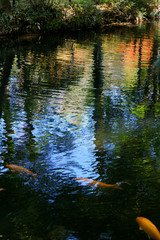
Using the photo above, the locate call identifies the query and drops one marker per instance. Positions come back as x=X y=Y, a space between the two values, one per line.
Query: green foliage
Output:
x=41 y=16
x=84 y=14
x=31 y=19
x=47 y=15
x=130 y=9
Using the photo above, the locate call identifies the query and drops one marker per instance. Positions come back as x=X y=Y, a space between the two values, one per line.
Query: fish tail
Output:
x=118 y=187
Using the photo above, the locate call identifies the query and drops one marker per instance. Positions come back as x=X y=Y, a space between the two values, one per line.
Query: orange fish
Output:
x=97 y=183
x=1 y=189
x=14 y=168
x=147 y=226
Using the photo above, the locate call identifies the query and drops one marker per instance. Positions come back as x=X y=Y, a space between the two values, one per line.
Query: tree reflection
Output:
x=98 y=113
x=6 y=65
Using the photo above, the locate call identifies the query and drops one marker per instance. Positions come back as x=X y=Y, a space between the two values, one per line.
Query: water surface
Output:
x=87 y=105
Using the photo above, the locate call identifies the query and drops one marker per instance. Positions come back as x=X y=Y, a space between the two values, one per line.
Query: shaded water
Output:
x=80 y=105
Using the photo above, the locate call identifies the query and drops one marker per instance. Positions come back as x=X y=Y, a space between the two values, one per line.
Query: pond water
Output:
x=83 y=104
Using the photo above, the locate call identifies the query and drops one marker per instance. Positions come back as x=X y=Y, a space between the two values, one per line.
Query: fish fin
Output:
x=35 y=176
x=84 y=180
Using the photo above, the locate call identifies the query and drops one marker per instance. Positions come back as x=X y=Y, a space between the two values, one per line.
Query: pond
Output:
x=80 y=105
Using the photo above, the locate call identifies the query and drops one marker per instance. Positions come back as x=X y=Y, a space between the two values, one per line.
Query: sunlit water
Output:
x=80 y=105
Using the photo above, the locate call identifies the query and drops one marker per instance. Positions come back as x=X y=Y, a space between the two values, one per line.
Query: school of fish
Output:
x=144 y=224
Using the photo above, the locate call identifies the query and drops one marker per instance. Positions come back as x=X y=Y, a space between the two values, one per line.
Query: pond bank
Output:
x=43 y=19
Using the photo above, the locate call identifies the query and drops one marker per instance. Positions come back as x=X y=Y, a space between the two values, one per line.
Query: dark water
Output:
x=84 y=104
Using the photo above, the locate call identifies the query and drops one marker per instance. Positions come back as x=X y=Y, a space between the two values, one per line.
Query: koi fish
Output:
x=147 y=226
x=1 y=189
x=97 y=183
x=14 y=168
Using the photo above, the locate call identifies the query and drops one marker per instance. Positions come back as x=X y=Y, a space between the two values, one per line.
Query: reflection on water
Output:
x=85 y=105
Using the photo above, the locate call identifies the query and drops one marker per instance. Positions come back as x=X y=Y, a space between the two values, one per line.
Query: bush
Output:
x=84 y=14
x=48 y=15
x=132 y=7
x=31 y=19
